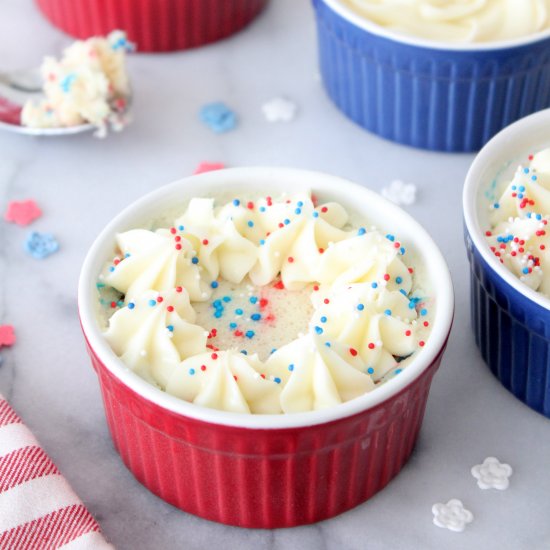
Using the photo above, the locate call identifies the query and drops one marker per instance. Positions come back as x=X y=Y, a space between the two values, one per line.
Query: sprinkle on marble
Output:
x=218 y=117
x=452 y=516
x=22 y=212
x=7 y=335
x=492 y=474
x=400 y=193
x=41 y=245
x=206 y=166
x=279 y=109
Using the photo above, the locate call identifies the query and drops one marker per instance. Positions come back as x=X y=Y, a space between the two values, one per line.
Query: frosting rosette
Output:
x=237 y=269
x=228 y=381
x=152 y=333
x=518 y=223
x=461 y=21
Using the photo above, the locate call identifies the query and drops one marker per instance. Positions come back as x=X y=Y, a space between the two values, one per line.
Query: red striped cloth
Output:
x=38 y=508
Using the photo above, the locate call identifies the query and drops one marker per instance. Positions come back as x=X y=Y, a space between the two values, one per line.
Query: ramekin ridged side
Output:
x=154 y=25
x=263 y=478
x=266 y=471
x=438 y=98
x=510 y=321
x=512 y=334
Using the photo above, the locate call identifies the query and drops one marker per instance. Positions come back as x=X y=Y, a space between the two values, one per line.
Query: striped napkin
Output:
x=38 y=508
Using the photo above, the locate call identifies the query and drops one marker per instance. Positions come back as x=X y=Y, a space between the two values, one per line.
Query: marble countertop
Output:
x=81 y=182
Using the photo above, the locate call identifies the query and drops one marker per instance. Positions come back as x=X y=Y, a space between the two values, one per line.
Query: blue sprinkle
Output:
x=99 y=285
x=41 y=245
x=374 y=285
x=298 y=211
x=249 y=334
x=256 y=316
x=239 y=311
x=370 y=370
x=521 y=188
x=291 y=367
x=525 y=270
x=181 y=228
x=170 y=328
x=127 y=255
x=412 y=304
x=277 y=380
x=67 y=82
x=318 y=330
x=217 y=304
x=152 y=303
x=513 y=187
x=244 y=352
x=323 y=319
x=534 y=178
x=262 y=208
x=226 y=299
x=496 y=205
x=236 y=202
x=218 y=117
x=195 y=260
x=300 y=204
x=423 y=312
x=131 y=305
x=253 y=299
x=327 y=344
x=214 y=284
x=388 y=312
x=398 y=280
x=526 y=170
x=390 y=237
x=232 y=325
x=397 y=371
x=250 y=223
x=120 y=303
x=218 y=314
x=402 y=290
x=262 y=242
x=191 y=372
x=360 y=307
x=539 y=217
x=402 y=250
x=361 y=231
x=315 y=214
x=520 y=195
x=286 y=221
x=273 y=350
x=112 y=268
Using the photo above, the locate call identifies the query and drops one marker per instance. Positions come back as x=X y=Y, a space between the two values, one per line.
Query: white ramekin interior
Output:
x=376 y=210
x=373 y=28
x=528 y=135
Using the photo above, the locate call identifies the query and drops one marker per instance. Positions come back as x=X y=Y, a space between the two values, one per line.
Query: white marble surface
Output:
x=82 y=182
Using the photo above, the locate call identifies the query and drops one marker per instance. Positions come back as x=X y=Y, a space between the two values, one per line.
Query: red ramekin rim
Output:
x=529 y=132
x=356 y=19
x=269 y=180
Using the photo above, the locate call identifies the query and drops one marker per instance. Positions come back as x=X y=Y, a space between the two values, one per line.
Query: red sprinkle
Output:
x=386 y=277
x=353 y=351
x=160 y=299
x=421 y=343
x=179 y=289
x=279 y=285
x=250 y=205
x=263 y=302
x=178 y=246
x=170 y=309
x=324 y=209
x=326 y=301
x=214 y=356
x=173 y=230
x=290 y=259
x=113 y=304
x=203 y=367
x=371 y=345
x=205 y=242
x=408 y=333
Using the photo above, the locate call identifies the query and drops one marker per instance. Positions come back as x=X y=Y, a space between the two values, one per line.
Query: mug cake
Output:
x=436 y=75
x=506 y=212
x=271 y=338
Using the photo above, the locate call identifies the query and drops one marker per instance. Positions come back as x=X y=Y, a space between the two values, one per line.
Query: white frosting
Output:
x=88 y=85
x=152 y=337
x=461 y=21
x=364 y=321
x=518 y=236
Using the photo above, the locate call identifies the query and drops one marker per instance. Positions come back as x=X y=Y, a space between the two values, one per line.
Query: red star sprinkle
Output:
x=7 y=335
x=208 y=167
x=22 y=212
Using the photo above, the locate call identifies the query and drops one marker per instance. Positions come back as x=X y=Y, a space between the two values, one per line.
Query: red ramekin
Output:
x=153 y=25
x=266 y=471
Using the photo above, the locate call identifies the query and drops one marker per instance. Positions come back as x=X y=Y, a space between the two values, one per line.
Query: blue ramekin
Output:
x=511 y=322
x=428 y=94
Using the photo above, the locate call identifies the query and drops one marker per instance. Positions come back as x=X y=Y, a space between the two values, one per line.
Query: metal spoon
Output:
x=15 y=88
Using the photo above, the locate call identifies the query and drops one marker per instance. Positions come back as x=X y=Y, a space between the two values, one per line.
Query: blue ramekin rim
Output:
x=526 y=130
